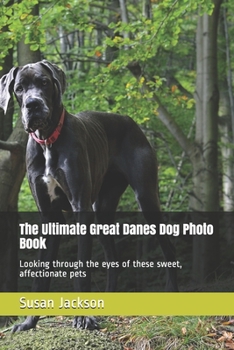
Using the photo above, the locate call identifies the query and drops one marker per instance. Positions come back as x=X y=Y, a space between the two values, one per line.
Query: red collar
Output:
x=55 y=134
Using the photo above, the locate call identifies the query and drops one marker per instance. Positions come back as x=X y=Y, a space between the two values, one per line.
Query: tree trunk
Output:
x=205 y=196
x=147 y=9
x=226 y=122
x=12 y=165
x=112 y=52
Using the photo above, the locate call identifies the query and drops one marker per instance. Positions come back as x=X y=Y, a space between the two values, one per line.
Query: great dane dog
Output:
x=81 y=163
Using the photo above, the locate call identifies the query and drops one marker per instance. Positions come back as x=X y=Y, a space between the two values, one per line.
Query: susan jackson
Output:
x=61 y=303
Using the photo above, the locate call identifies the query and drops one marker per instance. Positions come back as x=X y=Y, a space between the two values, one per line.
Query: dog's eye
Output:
x=19 y=88
x=44 y=82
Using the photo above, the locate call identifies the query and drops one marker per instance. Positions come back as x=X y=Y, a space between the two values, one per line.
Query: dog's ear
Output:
x=57 y=74
x=6 y=88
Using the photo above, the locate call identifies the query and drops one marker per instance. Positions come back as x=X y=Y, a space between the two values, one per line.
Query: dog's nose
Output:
x=32 y=103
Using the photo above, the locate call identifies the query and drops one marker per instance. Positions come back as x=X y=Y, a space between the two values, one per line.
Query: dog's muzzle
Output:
x=35 y=115
x=33 y=104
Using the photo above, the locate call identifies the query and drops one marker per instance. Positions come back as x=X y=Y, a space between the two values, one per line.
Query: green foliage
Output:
x=26 y=202
x=95 y=47
x=16 y=21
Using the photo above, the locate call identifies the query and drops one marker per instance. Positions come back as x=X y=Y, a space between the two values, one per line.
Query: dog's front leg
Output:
x=83 y=284
x=49 y=254
x=40 y=284
x=29 y=323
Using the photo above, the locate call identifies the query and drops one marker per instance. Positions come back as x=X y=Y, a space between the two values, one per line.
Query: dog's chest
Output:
x=48 y=177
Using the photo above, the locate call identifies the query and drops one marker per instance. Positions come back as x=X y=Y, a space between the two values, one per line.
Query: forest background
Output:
x=167 y=64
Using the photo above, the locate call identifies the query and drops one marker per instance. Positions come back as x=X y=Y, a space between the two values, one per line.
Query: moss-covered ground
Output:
x=58 y=334
x=126 y=333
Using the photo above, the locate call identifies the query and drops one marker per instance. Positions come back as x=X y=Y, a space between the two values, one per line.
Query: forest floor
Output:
x=126 y=333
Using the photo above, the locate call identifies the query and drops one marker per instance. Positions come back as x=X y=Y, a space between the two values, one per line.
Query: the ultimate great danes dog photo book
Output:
x=116 y=175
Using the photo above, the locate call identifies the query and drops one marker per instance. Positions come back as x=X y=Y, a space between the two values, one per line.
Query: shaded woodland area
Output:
x=167 y=64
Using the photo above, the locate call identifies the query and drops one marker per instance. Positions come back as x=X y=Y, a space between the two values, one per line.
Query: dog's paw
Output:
x=85 y=322
x=20 y=327
x=29 y=323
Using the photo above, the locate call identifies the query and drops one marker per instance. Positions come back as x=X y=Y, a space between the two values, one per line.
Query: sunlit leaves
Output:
x=16 y=21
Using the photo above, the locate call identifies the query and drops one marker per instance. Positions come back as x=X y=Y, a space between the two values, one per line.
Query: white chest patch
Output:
x=48 y=178
x=51 y=185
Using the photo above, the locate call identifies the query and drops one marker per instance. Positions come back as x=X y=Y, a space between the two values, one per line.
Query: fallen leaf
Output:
x=103 y=330
x=229 y=345
x=199 y=324
x=227 y=336
x=124 y=337
x=59 y=318
x=184 y=330
x=221 y=339
x=228 y=322
x=211 y=335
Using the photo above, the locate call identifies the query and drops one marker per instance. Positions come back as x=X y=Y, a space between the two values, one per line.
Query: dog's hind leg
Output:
x=150 y=209
x=142 y=177
x=113 y=186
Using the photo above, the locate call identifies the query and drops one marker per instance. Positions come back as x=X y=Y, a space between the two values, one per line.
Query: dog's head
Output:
x=38 y=88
